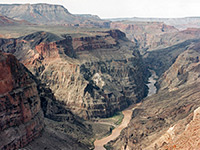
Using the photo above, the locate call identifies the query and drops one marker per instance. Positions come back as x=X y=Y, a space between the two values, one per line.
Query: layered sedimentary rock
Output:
x=50 y=14
x=94 y=76
x=153 y=122
x=179 y=23
x=184 y=71
x=21 y=117
x=162 y=59
x=182 y=135
x=6 y=21
x=154 y=35
x=147 y=35
x=165 y=120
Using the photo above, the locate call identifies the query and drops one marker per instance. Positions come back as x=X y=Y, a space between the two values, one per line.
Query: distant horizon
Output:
x=112 y=9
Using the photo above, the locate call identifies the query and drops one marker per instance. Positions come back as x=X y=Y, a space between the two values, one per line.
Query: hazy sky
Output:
x=125 y=8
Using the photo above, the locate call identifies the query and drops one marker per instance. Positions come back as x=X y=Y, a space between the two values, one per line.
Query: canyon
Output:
x=80 y=82
x=92 y=75
x=50 y=14
x=99 y=144
x=21 y=116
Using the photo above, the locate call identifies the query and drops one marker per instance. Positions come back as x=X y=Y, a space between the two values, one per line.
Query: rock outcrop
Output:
x=21 y=117
x=160 y=120
x=6 y=21
x=161 y=60
x=179 y=23
x=183 y=135
x=184 y=71
x=165 y=120
x=50 y=14
x=93 y=76
x=154 y=35
x=23 y=100
x=147 y=35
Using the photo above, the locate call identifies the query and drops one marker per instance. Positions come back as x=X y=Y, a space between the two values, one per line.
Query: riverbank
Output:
x=151 y=84
x=99 y=144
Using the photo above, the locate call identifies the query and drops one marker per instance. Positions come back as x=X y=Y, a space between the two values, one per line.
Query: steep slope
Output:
x=155 y=118
x=179 y=23
x=184 y=71
x=48 y=14
x=6 y=21
x=165 y=120
x=94 y=76
x=21 y=117
x=148 y=35
x=154 y=35
x=160 y=60
x=183 y=135
x=23 y=100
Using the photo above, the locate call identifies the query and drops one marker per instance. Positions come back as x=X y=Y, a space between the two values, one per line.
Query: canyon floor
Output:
x=101 y=143
x=78 y=82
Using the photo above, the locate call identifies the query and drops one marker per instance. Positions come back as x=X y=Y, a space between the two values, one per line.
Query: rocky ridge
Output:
x=181 y=135
x=154 y=35
x=6 y=21
x=93 y=76
x=20 y=113
x=165 y=120
x=50 y=14
x=179 y=23
x=155 y=118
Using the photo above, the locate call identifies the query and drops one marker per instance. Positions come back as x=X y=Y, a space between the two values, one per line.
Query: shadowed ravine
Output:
x=99 y=144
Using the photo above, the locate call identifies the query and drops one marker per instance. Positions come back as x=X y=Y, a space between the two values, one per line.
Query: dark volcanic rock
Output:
x=21 y=118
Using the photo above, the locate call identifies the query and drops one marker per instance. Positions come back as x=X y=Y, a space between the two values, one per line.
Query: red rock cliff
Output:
x=21 y=118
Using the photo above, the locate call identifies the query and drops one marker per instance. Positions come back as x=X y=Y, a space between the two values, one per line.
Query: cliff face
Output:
x=168 y=119
x=94 y=76
x=23 y=100
x=6 y=21
x=154 y=35
x=162 y=121
x=182 y=135
x=161 y=60
x=179 y=23
x=184 y=71
x=50 y=14
x=21 y=117
x=147 y=35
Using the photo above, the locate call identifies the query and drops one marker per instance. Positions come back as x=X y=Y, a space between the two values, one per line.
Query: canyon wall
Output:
x=48 y=14
x=94 y=76
x=20 y=113
x=154 y=35
x=168 y=119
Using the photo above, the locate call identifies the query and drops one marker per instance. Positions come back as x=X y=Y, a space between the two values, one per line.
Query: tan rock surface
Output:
x=69 y=67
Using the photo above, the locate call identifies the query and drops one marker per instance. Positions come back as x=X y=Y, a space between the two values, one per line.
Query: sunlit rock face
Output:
x=168 y=119
x=94 y=75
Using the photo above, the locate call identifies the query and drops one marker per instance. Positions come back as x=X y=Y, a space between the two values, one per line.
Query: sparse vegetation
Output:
x=103 y=126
